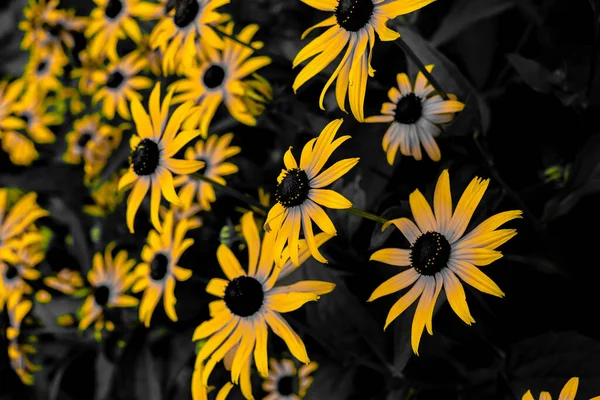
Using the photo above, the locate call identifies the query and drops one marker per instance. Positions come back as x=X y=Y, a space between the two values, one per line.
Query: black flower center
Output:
x=213 y=76
x=203 y=169
x=244 y=296
x=430 y=253
x=186 y=12
x=83 y=139
x=101 y=294
x=293 y=189
x=285 y=385
x=42 y=66
x=159 y=267
x=409 y=109
x=53 y=30
x=115 y=79
x=145 y=157
x=113 y=8
x=352 y=15
x=11 y=272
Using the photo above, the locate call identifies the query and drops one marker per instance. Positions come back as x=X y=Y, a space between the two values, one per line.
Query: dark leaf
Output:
x=533 y=73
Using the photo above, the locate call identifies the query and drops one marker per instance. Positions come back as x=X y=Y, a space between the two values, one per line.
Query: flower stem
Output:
x=255 y=204
x=367 y=215
x=411 y=54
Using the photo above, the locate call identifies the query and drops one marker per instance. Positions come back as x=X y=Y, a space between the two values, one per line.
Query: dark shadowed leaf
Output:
x=533 y=73
x=332 y=382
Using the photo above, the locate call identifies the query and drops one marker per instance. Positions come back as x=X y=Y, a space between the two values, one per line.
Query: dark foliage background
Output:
x=528 y=71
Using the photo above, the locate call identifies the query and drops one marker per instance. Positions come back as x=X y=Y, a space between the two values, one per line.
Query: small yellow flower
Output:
x=67 y=281
x=18 y=308
x=9 y=95
x=567 y=393
x=285 y=382
x=44 y=70
x=90 y=72
x=106 y=197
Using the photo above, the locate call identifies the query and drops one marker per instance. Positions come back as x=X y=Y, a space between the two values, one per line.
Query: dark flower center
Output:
x=285 y=385
x=101 y=294
x=409 y=109
x=145 y=157
x=83 y=139
x=430 y=253
x=203 y=169
x=293 y=189
x=159 y=267
x=352 y=15
x=11 y=272
x=113 y=8
x=186 y=12
x=42 y=66
x=53 y=30
x=171 y=4
x=115 y=79
x=213 y=76
x=244 y=296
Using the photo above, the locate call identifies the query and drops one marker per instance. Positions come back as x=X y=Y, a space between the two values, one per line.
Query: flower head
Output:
x=440 y=253
x=157 y=140
x=415 y=115
x=285 y=382
x=352 y=24
x=300 y=194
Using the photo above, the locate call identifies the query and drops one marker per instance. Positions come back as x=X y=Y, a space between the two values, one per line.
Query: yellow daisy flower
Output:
x=111 y=21
x=440 y=252
x=110 y=279
x=119 y=84
x=157 y=140
x=415 y=114
x=47 y=27
x=67 y=281
x=567 y=393
x=89 y=73
x=158 y=272
x=221 y=77
x=43 y=71
x=32 y=108
x=352 y=25
x=285 y=382
x=106 y=197
x=213 y=152
x=250 y=302
x=176 y=32
x=300 y=194
x=258 y=94
x=9 y=95
x=18 y=308
x=154 y=57
x=20 y=149
x=187 y=209
x=93 y=142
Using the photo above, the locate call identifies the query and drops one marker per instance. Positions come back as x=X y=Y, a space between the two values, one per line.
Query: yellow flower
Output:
x=285 y=382
x=176 y=32
x=158 y=271
x=67 y=281
x=258 y=93
x=187 y=209
x=110 y=279
x=18 y=308
x=93 y=142
x=111 y=21
x=47 y=27
x=300 y=194
x=213 y=152
x=119 y=84
x=352 y=25
x=415 y=114
x=43 y=71
x=154 y=57
x=221 y=77
x=249 y=303
x=89 y=74
x=567 y=393
x=106 y=198
x=157 y=140
x=440 y=252
x=9 y=95
x=20 y=149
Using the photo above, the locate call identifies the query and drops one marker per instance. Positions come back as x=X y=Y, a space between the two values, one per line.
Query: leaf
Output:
x=332 y=382
x=465 y=13
x=147 y=384
x=548 y=361
x=533 y=73
x=104 y=372
x=347 y=221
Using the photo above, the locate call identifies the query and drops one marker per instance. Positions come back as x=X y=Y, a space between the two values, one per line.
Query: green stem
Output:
x=411 y=54
x=234 y=193
x=367 y=215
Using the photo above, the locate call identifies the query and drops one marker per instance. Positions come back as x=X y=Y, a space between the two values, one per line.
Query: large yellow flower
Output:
x=415 y=114
x=300 y=194
x=440 y=253
x=120 y=84
x=220 y=77
x=93 y=142
x=251 y=302
x=176 y=32
x=111 y=21
x=157 y=140
x=352 y=25
x=285 y=382
x=109 y=278
x=213 y=152
x=158 y=272
x=567 y=393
